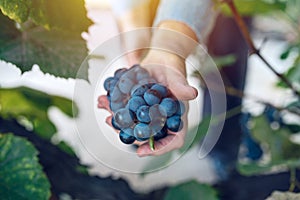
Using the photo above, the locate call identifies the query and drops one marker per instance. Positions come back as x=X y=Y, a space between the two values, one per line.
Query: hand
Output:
x=167 y=69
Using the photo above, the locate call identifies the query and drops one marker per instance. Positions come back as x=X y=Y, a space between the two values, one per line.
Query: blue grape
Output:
x=142 y=74
x=161 y=134
x=169 y=105
x=158 y=118
x=163 y=91
x=139 y=90
x=116 y=94
x=142 y=107
x=113 y=123
x=128 y=131
x=130 y=74
x=110 y=83
x=142 y=132
x=135 y=102
x=254 y=151
x=273 y=115
x=126 y=138
x=142 y=114
x=114 y=106
x=120 y=72
x=180 y=108
x=124 y=118
x=174 y=123
x=125 y=84
x=152 y=97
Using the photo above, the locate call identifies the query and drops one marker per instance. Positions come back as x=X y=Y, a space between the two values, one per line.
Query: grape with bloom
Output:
x=142 y=108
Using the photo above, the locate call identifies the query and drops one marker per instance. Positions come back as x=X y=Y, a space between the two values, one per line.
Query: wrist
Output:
x=164 y=58
x=174 y=36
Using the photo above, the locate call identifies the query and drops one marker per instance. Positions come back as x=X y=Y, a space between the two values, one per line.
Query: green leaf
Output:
x=278 y=140
x=191 y=190
x=293 y=74
x=254 y=7
x=61 y=14
x=66 y=148
x=56 y=52
x=21 y=175
x=33 y=105
x=283 y=152
x=223 y=61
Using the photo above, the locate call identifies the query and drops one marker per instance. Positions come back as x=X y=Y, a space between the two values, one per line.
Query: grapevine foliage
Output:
x=21 y=175
x=66 y=14
x=57 y=52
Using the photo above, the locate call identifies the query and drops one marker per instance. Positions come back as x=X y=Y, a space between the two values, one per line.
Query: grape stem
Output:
x=151 y=143
x=253 y=50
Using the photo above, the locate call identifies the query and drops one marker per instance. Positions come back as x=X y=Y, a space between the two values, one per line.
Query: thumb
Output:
x=183 y=91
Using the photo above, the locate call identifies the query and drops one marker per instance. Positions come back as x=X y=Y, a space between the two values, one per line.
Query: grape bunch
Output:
x=142 y=108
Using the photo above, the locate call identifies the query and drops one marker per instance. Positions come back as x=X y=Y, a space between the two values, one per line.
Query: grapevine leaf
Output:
x=191 y=190
x=21 y=175
x=33 y=105
x=282 y=151
x=66 y=14
x=223 y=61
x=56 y=52
x=293 y=74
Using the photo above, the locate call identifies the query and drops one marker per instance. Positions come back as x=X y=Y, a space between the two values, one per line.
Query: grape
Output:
x=180 y=108
x=120 y=72
x=113 y=123
x=139 y=90
x=174 y=123
x=125 y=84
x=142 y=114
x=161 y=134
x=116 y=94
x=114 y=106
x=123 y=118
x=110 y=83
x=135 y=102
x=158 y=118
x=142 y=131
x=169 y=105
x=254 y=151
x=142 y=108
x=152 y=97
x=126 y=138
x=156 y=112
x=162 y=90
x=142 y=74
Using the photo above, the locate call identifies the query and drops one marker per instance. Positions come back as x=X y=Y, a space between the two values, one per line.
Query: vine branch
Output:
x=253 y=50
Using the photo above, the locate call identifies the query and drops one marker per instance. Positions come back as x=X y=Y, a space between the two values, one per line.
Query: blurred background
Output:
x=36 y=105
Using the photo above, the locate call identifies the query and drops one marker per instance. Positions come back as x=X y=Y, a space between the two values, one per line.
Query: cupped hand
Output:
x=169 y=70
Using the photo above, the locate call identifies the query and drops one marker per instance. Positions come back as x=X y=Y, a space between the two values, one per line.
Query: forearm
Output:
x=175 y=37
x=198 y=15
x=132 y=14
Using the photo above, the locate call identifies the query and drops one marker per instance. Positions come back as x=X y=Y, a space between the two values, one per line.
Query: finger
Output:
x=103 y=102
x=108 y=120
x=183 y=92
x=162 y=146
